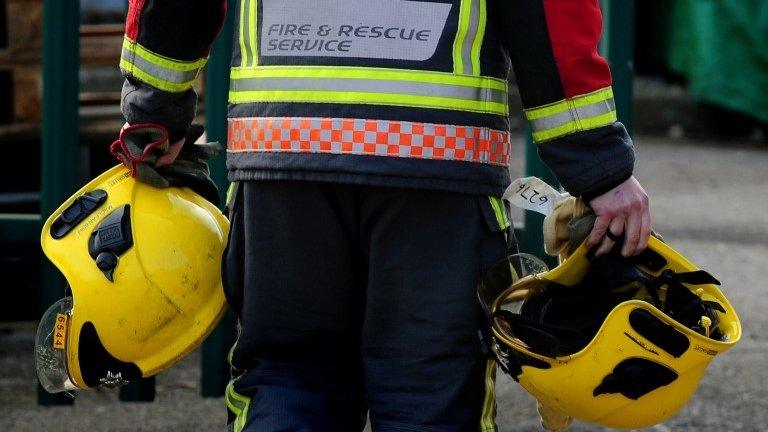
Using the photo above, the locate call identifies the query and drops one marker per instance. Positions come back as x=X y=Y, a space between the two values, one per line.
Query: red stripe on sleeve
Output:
x=132 y=20
x=575 y=27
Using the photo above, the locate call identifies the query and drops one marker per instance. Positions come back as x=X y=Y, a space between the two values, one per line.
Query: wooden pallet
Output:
x=99 y=46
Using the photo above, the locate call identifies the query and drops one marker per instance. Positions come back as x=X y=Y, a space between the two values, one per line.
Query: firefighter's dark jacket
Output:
x=387 y=92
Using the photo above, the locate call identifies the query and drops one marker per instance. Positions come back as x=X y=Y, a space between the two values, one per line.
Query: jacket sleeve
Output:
x=565 y=86
x=166 y=44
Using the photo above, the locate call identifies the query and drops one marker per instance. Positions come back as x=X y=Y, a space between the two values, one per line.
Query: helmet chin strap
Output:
x=612 y=279
x=686 y=306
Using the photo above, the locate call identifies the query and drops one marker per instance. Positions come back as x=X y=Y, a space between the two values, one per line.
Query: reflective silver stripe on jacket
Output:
x=159 y=72
x=573 y=114
x=477 y=94
x=468 y=35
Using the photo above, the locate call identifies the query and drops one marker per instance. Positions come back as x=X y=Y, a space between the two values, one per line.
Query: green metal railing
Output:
x=215 y=368
x=60 y=133
x=60 y=136
x=618 y=46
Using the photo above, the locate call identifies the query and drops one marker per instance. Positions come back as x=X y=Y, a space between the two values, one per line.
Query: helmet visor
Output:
x=51 y=347
x=504 y=290
x=505 y=273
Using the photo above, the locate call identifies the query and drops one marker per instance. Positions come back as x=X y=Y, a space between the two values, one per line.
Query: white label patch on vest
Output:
x=381 y=29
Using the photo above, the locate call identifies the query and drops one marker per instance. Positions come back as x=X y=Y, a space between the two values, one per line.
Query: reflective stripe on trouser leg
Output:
x=238 y=405
x=500 y=211
x=488 y=416
x=370 y=137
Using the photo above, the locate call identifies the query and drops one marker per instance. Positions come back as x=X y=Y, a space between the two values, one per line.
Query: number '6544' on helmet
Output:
x=144 y=269
x=622 y=342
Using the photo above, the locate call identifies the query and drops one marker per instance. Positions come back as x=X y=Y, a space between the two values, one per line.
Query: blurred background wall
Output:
x=708 y=57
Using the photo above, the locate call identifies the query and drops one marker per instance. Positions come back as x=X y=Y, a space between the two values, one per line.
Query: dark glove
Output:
x=140 y=146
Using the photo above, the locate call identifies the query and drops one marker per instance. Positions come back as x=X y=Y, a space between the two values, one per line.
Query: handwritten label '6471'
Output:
x=532 y=193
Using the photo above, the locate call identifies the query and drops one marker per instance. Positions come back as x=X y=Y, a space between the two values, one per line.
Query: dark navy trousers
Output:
x=359 y=300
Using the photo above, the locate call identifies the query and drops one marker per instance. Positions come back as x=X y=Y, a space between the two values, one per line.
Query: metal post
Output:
x=618 y=46
x=214 y=365
x=215 y=369
x=216 y=95
x=60 y=134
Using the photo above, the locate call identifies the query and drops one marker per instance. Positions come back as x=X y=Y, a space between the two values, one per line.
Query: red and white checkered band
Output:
x=369 y=137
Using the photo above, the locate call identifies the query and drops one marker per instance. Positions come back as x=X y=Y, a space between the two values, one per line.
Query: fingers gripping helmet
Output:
x=622 y=342
x=144 y=270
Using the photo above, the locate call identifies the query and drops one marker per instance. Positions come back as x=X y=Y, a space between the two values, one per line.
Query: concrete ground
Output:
x=708 y=199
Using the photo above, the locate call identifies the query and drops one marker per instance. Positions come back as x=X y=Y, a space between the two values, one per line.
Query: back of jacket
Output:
x=389 y=92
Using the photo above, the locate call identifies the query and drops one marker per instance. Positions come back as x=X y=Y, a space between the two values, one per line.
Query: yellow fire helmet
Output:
x=143 y=266
x=622 y=342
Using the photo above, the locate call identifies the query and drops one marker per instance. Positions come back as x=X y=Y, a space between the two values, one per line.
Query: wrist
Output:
x=591 y=162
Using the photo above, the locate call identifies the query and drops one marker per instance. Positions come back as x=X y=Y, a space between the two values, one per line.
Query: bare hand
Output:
x=623 y=209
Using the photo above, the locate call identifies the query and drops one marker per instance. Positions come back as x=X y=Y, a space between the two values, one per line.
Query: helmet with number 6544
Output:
x=143 y=267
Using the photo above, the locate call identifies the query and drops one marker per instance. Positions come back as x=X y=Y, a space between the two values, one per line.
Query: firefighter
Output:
x=368 y=145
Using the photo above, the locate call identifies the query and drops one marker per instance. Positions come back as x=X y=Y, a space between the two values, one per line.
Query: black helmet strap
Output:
x=562 y=320
x=685 y=306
